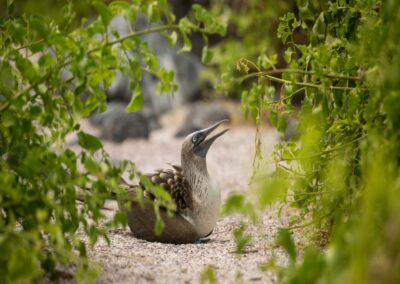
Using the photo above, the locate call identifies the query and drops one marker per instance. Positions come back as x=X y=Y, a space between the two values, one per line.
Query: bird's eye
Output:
x=195 y=139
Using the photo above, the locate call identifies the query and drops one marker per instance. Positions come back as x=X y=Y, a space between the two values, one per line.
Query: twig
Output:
x=288 y=97
x=268 y=75
x=324 y=152
x=309 y=223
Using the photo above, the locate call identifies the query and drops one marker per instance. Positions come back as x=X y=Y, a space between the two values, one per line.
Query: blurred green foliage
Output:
x=342 y=58
x=41 y=179
x=250 y=26
x=208 y=275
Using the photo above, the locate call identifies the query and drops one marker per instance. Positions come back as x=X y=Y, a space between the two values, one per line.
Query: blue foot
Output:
x=201 y=241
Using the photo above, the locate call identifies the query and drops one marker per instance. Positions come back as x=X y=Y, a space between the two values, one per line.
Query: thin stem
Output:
x=290 y=170
x=245 y=62
x=303 y=84
x=140 y=33
x=308 y=223
x=279 y=71
x=29 y=45
x=324 y=152
x=288 y=97
x=309 y=193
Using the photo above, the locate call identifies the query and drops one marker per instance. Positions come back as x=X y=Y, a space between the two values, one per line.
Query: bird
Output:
x=195 y=193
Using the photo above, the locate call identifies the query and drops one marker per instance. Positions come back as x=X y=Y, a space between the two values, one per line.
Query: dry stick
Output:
x=65 y=63
x=257 y=143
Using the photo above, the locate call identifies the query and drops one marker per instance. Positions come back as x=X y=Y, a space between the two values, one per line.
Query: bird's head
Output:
x=196 y=145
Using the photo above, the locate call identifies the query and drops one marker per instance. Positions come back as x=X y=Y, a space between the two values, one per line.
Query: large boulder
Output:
x=117 y=125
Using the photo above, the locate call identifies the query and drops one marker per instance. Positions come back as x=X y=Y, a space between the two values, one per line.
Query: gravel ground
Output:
x=130 y=260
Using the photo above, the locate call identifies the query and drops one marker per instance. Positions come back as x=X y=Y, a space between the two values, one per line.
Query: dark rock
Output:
x=182 y=7
x=118 y=125
x=201 y=115
x=291 y=132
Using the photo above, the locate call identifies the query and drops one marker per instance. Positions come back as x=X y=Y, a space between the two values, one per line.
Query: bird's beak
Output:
x=202 y=149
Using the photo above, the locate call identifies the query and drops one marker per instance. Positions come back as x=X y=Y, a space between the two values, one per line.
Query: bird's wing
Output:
x=173 y=181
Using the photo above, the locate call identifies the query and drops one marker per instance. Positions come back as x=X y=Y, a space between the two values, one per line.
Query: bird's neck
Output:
x=206 y=195
x=197 y=176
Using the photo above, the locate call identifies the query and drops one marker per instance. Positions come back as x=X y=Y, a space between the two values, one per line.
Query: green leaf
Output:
x=278 y=121
x=270 y=190
x=159 y=225
x=288 y=55
x=171 y=38
x=18 y=30
x=153 y=13
x=27 y=69
x=46 y=60
x=163 y=197
x=22 y=262
x=129 y=44
x=151 y=60
x=39 y=24
x=166 y=83
x=208 y=23
x=187 y=44
x=104 y=11
x=89 y=142
x=241 y=239
x=136 y=102
x=236 y=203
x=10 y=6
x=61 y=42
x=284 y=239
x=267 y=61
x=206 y=55
x=119 y=7
x=208 y=275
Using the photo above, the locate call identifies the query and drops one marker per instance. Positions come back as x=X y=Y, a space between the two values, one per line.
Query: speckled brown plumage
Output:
x=174 y=182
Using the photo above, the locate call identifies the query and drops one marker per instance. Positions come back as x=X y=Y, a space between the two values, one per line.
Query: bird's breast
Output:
x=206 y=211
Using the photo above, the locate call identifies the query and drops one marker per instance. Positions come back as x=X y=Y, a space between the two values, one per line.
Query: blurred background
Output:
x=203 y=96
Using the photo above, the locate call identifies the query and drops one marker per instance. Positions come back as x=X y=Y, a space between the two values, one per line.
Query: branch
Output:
x=29 y=44
x=268 y=75
x=326 y=151
x=286 y=98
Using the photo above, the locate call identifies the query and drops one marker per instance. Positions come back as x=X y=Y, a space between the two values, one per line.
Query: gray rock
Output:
x=187 y=68
x=118 y=125
x=201 y=115
x=291 y=132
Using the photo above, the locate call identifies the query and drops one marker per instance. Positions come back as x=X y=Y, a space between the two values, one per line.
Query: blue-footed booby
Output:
x=196 y=195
